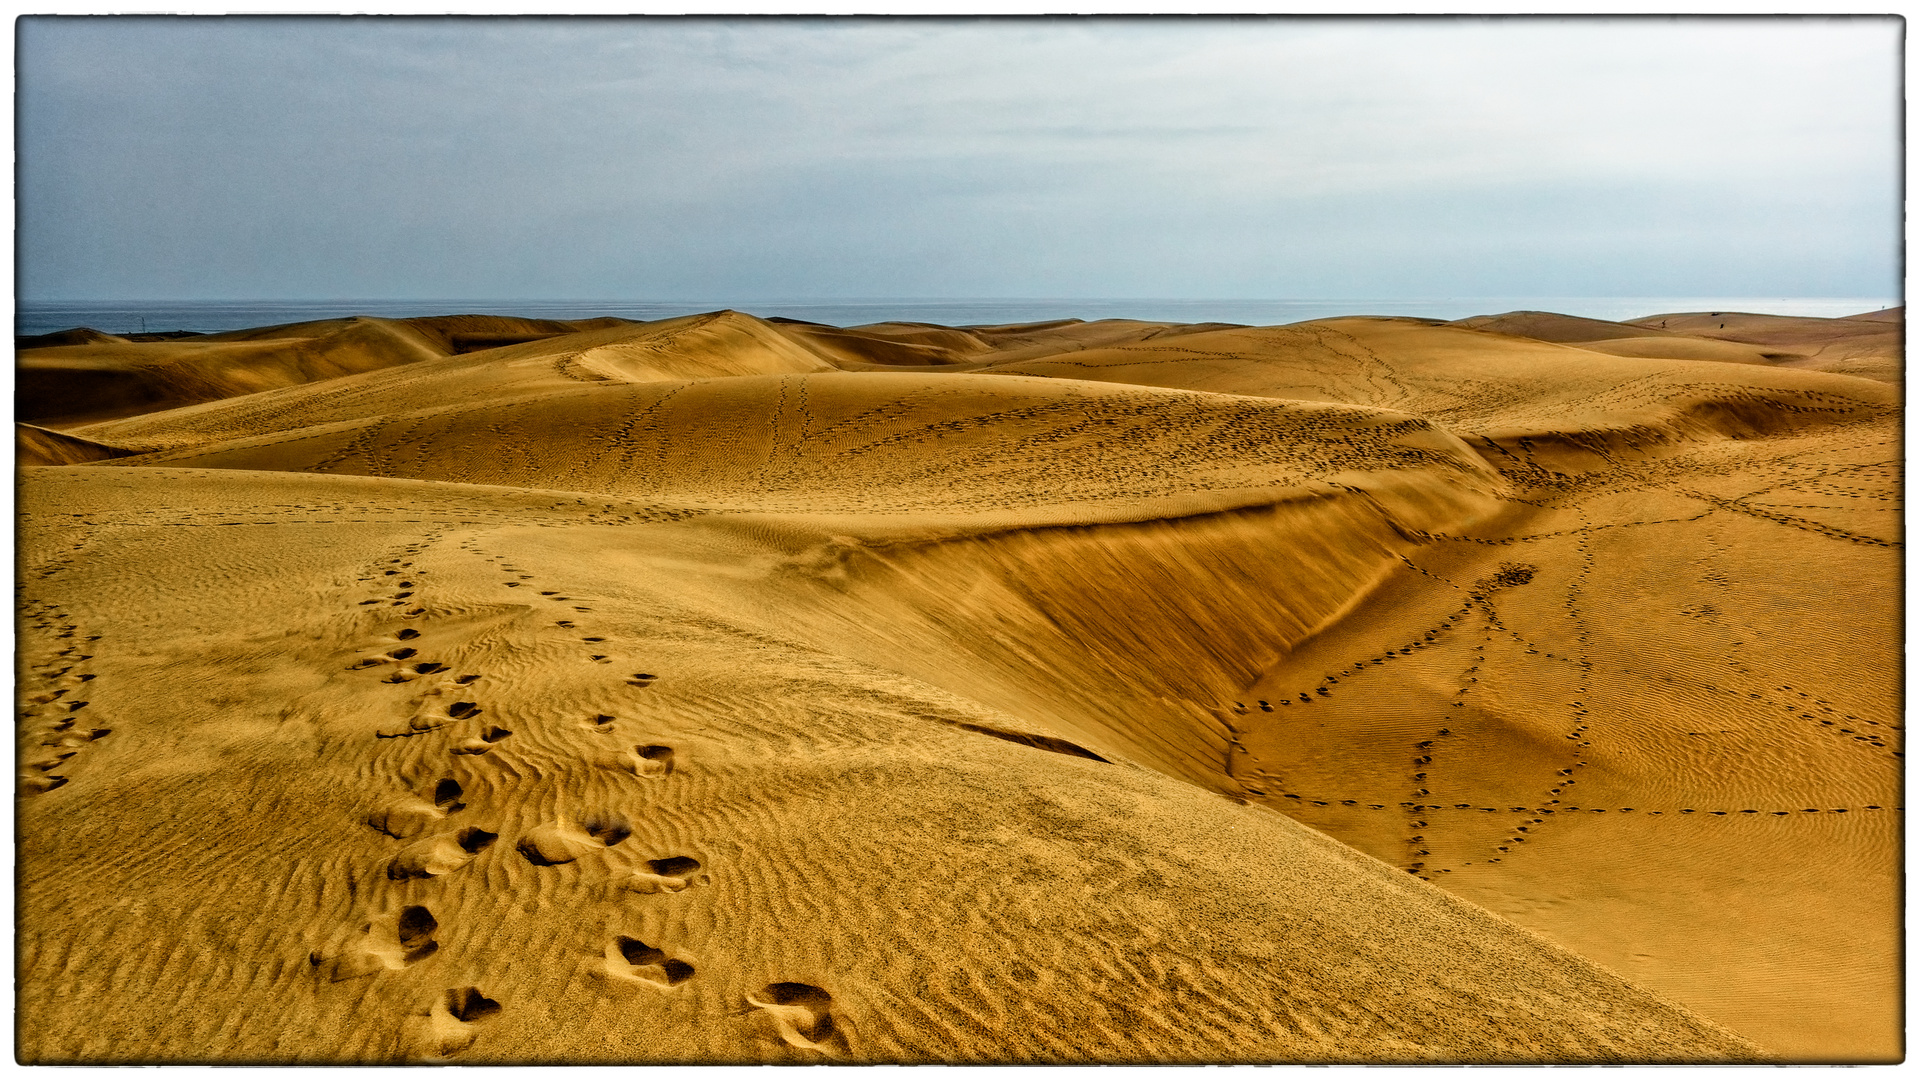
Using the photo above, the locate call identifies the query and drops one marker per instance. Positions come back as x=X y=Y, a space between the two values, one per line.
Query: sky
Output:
x=363 y=158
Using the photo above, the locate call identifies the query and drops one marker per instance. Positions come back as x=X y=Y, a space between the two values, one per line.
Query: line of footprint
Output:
x=1426 y=807
x=396 y=940
x=800 y=1012
x=52 y=734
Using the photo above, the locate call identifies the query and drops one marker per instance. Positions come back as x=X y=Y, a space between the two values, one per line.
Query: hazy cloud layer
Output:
x=283 y=158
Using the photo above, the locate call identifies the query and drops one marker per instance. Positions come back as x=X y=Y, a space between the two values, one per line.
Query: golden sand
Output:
x=720 y=689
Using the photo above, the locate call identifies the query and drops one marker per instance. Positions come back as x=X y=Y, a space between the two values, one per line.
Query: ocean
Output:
x=129 y=317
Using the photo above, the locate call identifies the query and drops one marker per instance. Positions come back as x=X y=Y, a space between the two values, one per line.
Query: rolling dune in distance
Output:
x=1523 y=688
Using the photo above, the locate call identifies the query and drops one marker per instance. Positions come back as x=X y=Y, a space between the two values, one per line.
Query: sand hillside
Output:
x=735 y=690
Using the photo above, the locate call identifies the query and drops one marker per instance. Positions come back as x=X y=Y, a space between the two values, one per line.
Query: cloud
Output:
x=242 y=158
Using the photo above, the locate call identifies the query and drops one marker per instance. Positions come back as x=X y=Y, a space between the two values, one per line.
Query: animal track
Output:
x=801 y=1012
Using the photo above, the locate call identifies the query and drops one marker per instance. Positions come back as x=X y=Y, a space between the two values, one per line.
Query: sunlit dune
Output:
x=726 y=690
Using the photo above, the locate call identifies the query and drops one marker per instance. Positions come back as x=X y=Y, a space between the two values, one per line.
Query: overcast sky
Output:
x=752 y=159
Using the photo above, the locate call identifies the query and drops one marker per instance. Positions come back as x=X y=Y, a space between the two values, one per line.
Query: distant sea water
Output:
x=132 y=317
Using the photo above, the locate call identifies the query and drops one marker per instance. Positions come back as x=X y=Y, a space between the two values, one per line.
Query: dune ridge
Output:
x=737 y=690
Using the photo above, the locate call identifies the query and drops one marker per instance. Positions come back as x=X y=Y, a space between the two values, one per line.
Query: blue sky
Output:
x=294 y=158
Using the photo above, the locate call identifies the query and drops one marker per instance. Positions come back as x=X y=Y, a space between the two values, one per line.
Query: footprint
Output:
x=484 y=743
x=631 y=958
x=81 y=738
x=467 y=680
x=609 y=829
x=40 y=785
x=653 y=760
x=440 y=855
x=384 y=944
x=670 y=875
x=384 y=658
x=404 y=675
x=408 y=634
x=640 y=679
x=801 y=1013
x=411 y=817
x=602 y=724
x=561 y=841
x=414 y=932
x=452 y=1019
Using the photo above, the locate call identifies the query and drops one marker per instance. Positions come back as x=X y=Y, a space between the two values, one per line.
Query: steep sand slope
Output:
x=988 y=650
x=40 y=446
x=1323 y=493
x=1717 y=542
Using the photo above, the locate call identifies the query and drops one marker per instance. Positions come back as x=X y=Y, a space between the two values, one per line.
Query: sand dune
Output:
x=729 y=690
x=40 y=446
x=1563 y=329
x=1868 y=345
x=68 y=384
x=81 y=376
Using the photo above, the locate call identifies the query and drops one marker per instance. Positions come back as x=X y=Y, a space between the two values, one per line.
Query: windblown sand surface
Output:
x=725 y=690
